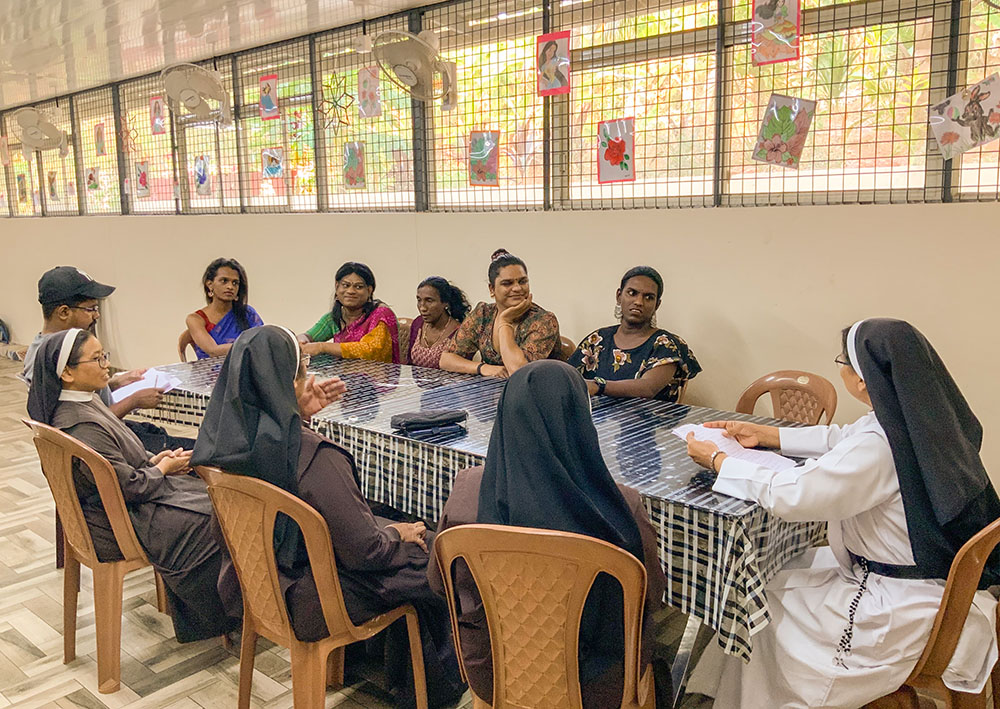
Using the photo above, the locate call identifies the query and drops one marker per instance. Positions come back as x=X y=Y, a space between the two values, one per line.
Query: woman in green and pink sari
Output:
x=358 y=326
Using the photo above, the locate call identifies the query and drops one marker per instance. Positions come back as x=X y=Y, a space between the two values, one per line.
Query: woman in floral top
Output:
x=635 y=359
x=507 y=333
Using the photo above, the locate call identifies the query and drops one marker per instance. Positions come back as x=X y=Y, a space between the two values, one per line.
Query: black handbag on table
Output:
x=430 y=423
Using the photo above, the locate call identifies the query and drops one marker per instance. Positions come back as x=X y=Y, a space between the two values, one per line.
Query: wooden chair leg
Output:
x=108 y=619
x=248 y=648
x=60 y=544
x=308 y=676
x=335 y=669
x=71 y=590
x=417 y=658
x=161 y=594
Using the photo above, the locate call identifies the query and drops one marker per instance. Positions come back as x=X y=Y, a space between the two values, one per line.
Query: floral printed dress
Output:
x=536 y=333
x=597 y=356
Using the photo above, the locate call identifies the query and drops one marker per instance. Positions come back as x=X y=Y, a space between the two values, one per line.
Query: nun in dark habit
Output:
x=170 y=510
x=902 y=488
x=254 y=426
x=544 y=469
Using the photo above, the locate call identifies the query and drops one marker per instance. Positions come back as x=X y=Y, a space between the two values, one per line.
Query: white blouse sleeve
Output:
x=809 y=442
x=856 y=475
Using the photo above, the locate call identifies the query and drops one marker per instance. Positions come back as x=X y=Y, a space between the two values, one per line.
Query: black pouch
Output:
x=430 y=423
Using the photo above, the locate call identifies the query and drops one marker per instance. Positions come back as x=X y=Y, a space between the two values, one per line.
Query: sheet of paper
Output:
x=730 y=447
x=153 y=379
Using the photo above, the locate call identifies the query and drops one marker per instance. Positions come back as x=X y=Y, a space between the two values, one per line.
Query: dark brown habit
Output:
x=378 y=571
x=462 y=507
x=171 y=514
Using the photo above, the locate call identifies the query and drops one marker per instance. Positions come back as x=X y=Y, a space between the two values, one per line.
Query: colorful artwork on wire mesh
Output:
x=968 y=119
x=369 y=93
x=142 y=179
x=616 y=150
x=93 y=178
x=484 y=158
x=157 y=115
x=272 y=162
x=202 y=176
x=553 y=67
x=354 y=165
x=268 y=101
x=776 y=25
x=784 y=130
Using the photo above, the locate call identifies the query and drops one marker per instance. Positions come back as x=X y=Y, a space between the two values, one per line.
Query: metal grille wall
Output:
x=317 y=128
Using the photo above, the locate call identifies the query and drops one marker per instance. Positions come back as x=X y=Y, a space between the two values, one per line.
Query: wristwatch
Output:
x=601 y=382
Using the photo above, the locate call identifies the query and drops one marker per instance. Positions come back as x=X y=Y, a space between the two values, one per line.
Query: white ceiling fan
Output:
x=190 y=87
x=39 y=133
x=412 y=62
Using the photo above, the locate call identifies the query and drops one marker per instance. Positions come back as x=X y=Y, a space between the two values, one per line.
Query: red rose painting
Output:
x=616 y=150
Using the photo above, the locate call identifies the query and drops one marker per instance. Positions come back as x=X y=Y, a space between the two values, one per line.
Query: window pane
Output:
x=100 y=171
x=58 y=178
x=869 y=131
x=595 y=24
x=24 y=196
x=148 y=122
x=979 y=168
x=494 y=47
x=388 y=137
x=288 y=138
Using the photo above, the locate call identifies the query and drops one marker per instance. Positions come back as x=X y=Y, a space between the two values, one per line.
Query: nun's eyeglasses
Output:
x=102 y=360
x=305 y=359
x=841 y=360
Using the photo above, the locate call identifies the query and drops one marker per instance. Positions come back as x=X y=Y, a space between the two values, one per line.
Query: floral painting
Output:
x=553 y=64
x=968 y=119
x=784 y=130
x=142 y=179
x=484 y=156
x=369 y=93
x=157 y=115
x=354 y=165
x=22 y=188
x=93 y=178
x=616 y=150
x=775 y=25
x=268 y=98
x=50 y=179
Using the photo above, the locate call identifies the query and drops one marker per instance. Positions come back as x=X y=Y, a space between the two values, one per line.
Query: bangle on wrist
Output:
x=601 y=383
x=479 y=369
x=505 y=324
x=711 y=461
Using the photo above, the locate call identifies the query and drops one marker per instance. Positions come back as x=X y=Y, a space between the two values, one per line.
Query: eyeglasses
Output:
x=305 y=359
x=94 y=309
x=102 y=360
x=841 y=360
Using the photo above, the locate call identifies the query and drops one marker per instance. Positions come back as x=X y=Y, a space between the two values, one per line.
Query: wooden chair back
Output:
x=56 y=452
x=533 y=583
x=566 y=348
x=183 y=342
x=797 y=396
x=246 y=508
x=403 y=327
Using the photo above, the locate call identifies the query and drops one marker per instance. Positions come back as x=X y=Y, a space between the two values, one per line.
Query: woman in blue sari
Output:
x=215 y=327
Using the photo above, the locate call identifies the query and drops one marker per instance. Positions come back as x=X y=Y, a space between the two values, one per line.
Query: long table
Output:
x=718 y=552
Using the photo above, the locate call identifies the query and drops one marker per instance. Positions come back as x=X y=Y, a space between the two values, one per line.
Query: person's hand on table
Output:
x=316 y=396
x=312 y=348
x=494 y=370
x=748 y=435
x=412 y=532
x=701 y=452
x=175 y=462
x=591 y=387
x=146 y=398
x=123 y=379
x=511 y=315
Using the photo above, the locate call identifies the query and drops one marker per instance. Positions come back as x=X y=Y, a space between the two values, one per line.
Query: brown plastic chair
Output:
x=534 y=583
x=183 y=342
x=566 y=348
x=56 y=451
x=403 y=326
x=795 y=396
x=246 y=508
x=963 y=580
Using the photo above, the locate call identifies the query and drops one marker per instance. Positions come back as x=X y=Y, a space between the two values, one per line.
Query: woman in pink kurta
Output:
x=442 y=308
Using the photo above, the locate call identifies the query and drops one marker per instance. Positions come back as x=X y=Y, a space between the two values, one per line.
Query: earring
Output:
x=447 y=310
x=618 y=312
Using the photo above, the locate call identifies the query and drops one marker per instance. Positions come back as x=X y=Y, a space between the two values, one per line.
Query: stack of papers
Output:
x=729 y=446
x=153 y=379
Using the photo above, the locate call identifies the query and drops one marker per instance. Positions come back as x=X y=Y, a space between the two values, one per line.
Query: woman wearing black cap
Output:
x=903 y=488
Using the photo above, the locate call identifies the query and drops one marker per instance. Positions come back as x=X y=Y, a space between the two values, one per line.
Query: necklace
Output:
x=424 y=342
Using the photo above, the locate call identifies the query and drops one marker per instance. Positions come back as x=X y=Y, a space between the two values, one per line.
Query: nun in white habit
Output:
x=902 y=488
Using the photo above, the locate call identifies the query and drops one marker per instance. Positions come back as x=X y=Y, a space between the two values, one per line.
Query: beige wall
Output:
x=751 y=290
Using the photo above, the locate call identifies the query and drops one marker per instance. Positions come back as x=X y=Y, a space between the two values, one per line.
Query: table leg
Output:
x=682 y=661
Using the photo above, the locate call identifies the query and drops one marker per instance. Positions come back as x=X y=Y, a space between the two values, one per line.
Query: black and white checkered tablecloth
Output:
x=718 y=552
